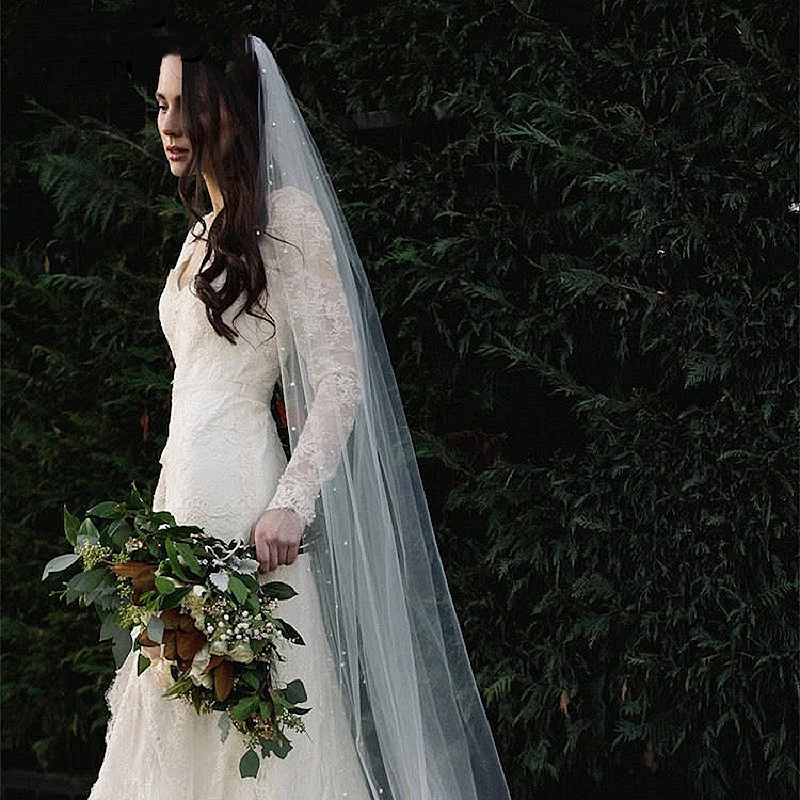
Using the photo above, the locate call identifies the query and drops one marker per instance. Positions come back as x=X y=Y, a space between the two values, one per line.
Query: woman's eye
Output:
x=160 y=107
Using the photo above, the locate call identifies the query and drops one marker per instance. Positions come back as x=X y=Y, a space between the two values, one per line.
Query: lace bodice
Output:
x=311 y=319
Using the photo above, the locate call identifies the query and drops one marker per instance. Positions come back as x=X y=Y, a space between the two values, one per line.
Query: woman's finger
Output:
x=273 y=557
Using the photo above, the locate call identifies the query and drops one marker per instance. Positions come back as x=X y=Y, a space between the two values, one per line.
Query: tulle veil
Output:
x=415 y=712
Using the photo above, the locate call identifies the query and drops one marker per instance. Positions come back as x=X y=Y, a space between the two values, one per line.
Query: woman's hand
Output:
x=277 y=535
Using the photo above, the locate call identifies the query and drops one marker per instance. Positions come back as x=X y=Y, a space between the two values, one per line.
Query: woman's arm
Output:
x=310 y=303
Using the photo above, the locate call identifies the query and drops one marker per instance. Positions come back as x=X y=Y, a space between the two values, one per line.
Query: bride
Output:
x=268 y=290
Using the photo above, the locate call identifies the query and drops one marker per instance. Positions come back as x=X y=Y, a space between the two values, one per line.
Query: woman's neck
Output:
x=214 y=193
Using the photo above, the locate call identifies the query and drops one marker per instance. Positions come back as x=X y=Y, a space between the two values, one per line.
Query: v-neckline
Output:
x=184 y=265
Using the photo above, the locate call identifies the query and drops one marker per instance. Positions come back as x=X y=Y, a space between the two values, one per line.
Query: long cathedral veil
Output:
x=414 y=708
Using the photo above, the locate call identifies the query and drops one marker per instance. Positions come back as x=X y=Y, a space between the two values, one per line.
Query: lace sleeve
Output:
x=313 y=320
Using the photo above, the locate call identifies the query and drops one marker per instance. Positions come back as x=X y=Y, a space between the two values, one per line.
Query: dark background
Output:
x=579 y=221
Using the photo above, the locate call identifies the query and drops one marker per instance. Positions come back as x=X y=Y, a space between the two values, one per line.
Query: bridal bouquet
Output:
x=193 y=607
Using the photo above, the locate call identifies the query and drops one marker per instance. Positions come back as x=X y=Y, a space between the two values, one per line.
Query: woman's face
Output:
x=174 y=137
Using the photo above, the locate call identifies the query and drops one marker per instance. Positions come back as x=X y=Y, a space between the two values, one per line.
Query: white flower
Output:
x=199 y=664
x=241 y=652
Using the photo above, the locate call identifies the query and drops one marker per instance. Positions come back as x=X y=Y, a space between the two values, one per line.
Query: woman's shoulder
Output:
x=291 y=205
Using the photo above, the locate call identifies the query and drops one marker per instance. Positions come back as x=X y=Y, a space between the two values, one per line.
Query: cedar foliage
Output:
x=582 y=244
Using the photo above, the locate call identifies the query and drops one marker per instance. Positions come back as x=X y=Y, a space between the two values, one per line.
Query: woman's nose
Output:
x=171 y=122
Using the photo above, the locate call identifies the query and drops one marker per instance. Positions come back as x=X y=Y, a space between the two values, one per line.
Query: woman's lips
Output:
x=177 y=155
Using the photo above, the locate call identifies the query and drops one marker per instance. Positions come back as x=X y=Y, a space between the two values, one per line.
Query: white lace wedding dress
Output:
x=222 y=466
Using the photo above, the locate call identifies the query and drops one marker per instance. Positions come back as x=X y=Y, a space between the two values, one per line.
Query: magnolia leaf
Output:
x=220 y=580
x=59 y=563
x=155 y=629
x=249 y=764
x=121 y=645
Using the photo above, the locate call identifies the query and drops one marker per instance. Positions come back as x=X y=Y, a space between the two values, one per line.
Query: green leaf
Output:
x=88 y=532
x=109 y=627
x=121 y=645
x=281 y=747
x=185 y=551
x=251 y=679
x=173 y=600
x=59 y=563
x=245 y=708
x=142 y=664
x=278 y=589
x=86 y=581
x=294 y=692
x=155 y=629
x=289 y=632
x=71 y=525
x=249 y=764
x=172 y=554
x=238 y=589
x=119 y=531
x=164 y=584
x=108 y=509
x=265 y=708
x=135 y=502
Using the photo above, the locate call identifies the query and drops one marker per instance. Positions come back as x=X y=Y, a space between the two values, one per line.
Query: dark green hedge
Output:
x=582 y=239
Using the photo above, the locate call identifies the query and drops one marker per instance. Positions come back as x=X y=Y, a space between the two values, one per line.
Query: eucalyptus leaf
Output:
x=86 y=581
x=249 y=764
x=295 y=692
x=155 y=629
x=224 y=726
x=109 y=627
x=121 y=645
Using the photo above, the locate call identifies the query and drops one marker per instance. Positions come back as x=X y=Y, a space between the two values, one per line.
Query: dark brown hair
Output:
x=232 y=252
